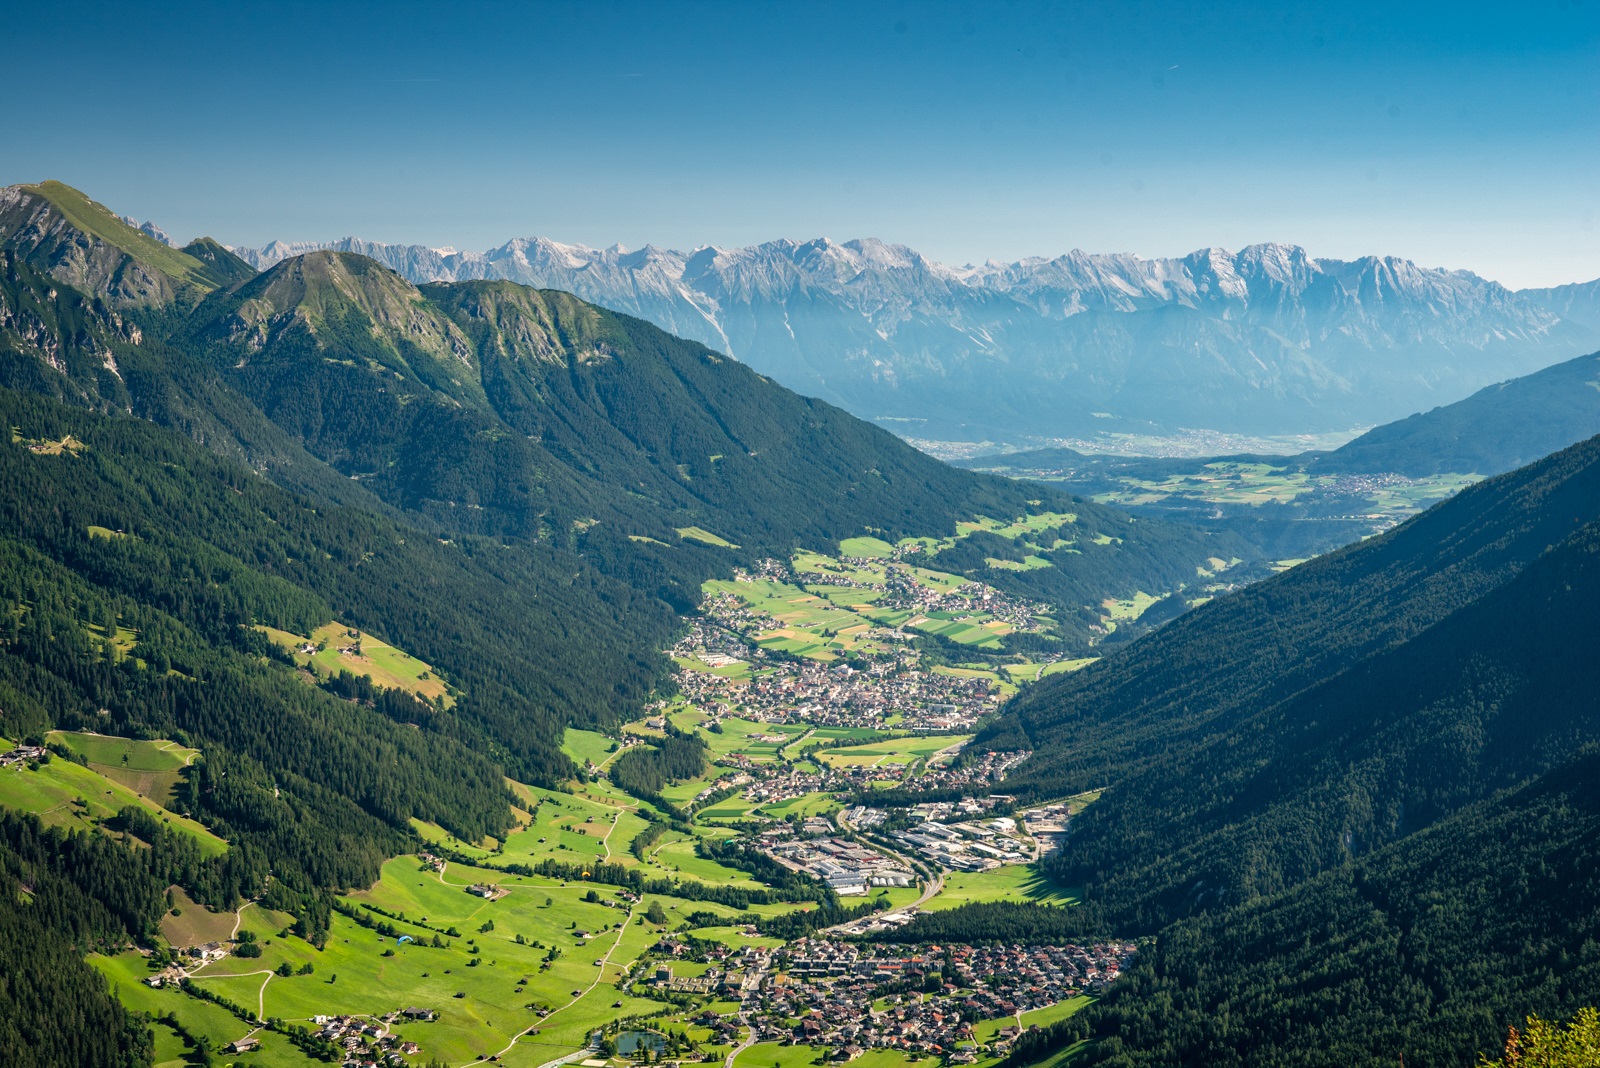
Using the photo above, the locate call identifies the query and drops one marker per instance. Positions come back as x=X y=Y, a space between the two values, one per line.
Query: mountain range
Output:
x=1266 y=340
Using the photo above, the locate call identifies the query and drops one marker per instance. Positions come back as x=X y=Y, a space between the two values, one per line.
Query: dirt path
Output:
x=261 y=995
x=188 y=755
x=605 y=843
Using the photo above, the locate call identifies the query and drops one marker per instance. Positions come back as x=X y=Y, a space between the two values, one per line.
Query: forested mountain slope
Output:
x=1423 y=950
x=489 y=476
x=491 y=407
x=521 y=404
x=1318 y=715
x=1498 y=428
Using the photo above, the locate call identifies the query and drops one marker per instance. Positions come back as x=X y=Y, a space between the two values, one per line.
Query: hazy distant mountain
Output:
x=1265 y=340
x=1577 y=303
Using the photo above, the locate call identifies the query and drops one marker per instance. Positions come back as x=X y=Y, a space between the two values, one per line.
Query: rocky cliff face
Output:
x=1264 y=340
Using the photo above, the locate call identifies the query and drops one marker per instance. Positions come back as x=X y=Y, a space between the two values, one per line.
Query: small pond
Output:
x=629 y=1041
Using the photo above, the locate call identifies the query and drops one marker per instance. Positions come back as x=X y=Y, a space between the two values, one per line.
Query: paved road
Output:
x=928 y=893
x=740 y=1048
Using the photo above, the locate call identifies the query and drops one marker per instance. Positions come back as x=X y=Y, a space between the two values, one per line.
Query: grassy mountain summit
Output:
x=84 y=244
x=496 y=408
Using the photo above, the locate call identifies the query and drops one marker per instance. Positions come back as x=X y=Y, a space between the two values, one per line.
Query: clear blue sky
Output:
x=1454 y=134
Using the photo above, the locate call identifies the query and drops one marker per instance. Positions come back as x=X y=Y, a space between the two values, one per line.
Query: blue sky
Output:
x=1457 y=135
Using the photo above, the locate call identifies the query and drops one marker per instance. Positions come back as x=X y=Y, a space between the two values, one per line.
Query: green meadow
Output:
x=894 y=752
x=486 y=986
x=66 y=794
x=985 y=1030
x=1009 y=882
x=340 y=647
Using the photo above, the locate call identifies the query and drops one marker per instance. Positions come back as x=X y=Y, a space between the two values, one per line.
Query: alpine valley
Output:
x=411 y=657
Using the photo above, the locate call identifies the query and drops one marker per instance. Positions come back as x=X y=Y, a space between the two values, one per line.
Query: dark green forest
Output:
x=1354 y=804
x=1319 y=715
x=1422 y=950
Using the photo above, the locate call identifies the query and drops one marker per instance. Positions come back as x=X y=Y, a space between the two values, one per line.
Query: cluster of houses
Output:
x=824 y=992
x=902 y=591
x=23 y=754
x=199 y=957
x=809 y=691
x=848 y=868
x=369 y=1042
x=970 y=846
x=785 y=691
x=985 y=770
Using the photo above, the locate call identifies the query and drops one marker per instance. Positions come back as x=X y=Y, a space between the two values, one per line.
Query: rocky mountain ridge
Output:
x=1268 y=339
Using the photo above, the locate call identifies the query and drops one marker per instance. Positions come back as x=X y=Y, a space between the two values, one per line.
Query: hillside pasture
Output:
x=896 y=752
x=149 y=768
x=1009 y=882
x=65 y=794
x=340 y=647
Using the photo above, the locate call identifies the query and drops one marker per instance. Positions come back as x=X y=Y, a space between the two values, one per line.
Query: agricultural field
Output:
x=66 y=794
x=149 y=768
x=896 y=752
x=985 y=1031
x=1009 y=882
x=337 y=647
x=761 y=742
x=818 y=804
x=705 y=537
x=1031 y=672
x=587 y=746
x=1126 y=611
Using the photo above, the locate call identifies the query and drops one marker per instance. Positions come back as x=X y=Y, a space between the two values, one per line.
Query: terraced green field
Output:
x=895 y=752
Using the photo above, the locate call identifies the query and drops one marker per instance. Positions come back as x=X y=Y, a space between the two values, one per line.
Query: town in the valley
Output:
x=833 y=703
